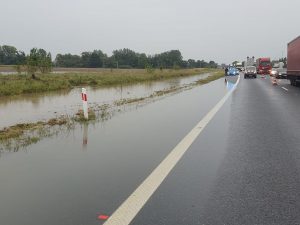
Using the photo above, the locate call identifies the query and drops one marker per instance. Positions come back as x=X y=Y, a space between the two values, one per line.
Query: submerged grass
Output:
x=22 y=84
x=24 y=134
x=214 y=76
x=18 y=130
x=79 y=117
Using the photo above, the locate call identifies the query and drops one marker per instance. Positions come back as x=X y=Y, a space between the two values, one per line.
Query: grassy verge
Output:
x=22 y=84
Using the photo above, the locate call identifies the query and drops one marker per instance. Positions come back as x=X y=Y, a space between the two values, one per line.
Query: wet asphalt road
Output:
x=243 y=169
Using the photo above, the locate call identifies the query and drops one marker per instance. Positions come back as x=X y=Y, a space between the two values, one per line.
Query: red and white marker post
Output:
x=274 y=81
x=84 y=103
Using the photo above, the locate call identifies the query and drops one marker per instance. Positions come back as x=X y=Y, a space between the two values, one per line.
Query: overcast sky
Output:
x=220 y=30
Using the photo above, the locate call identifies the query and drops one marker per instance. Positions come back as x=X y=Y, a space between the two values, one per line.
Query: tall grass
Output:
x=22 y=84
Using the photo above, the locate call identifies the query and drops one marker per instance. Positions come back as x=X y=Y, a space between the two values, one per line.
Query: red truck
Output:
x=263 y=65
x=293 y=61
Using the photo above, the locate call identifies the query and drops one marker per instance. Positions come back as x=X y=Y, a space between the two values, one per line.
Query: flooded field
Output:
x=36 y=107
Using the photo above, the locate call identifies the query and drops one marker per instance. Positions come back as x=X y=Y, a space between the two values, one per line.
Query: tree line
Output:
x=127 y=58
x=122 y=58
x=36 y=60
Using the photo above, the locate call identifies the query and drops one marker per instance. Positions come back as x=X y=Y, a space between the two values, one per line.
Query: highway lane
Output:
x=243 y=169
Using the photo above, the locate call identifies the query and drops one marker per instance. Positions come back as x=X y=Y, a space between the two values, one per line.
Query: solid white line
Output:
x=284 y=88
x=133 y=204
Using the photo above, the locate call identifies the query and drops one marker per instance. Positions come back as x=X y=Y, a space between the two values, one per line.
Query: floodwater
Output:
x=36 y=107
x=9 y=73
x=72 y=178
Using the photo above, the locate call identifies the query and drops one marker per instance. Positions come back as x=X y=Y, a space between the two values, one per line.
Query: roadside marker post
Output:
x=274 y=81
x=84 y=103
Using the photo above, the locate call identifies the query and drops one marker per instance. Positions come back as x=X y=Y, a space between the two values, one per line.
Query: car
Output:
x=279 y=73
x=232 y=71
x=273 y=72
x=250 y=71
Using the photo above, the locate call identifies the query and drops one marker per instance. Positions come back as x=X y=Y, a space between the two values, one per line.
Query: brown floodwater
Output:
x=36 y=107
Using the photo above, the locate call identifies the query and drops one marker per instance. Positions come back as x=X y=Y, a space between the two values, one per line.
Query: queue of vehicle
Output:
x=263 y=66
x=250 y=71
x=279 y=73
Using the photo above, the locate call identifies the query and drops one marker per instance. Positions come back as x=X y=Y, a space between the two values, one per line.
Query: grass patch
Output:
x=128 y=101
x=23 y=84
x=79 y=117
x=166 y=91
x=216 y=75
x=18 y=130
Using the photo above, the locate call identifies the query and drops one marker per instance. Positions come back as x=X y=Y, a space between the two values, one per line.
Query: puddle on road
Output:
x=72 y=177
x=36 y=107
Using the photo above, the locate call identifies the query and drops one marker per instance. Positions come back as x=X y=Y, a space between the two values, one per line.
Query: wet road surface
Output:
x=242 y=169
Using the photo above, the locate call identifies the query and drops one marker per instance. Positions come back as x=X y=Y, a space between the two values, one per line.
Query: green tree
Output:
x=169 y=59
x=38 y=59
x=142 y=60
x=32 y=61
x=126 y=58
x=96 y=59
x=212 y=64
x=110 y=62
x=44 y=61
x=191 y=63
x=68 y=60
x=85 y=59
x=92 y=59
x=9 y=55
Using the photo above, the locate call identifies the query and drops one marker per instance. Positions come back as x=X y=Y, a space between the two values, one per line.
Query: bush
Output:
x=149 y=68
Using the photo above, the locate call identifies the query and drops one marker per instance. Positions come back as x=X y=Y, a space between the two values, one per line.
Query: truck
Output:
x=239 y=66
x=278 y=65
x=263 y=65
x=293 y=61
x=250 y=61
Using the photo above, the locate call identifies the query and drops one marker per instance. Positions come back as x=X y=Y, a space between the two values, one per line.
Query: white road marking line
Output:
x=285 y=88
x=133 y=204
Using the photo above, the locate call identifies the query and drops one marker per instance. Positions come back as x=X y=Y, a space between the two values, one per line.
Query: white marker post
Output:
x=84 y=103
